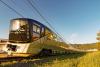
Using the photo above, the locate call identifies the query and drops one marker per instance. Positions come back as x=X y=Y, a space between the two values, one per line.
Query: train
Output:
x=30 y=37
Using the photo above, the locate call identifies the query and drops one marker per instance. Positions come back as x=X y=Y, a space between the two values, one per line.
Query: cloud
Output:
x=74 y=38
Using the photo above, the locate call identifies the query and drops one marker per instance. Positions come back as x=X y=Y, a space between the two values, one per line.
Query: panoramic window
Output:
x=15 y=25
x=23 y=25
x=18 y=25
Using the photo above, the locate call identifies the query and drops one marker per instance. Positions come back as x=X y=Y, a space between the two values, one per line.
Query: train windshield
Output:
x=19 y=31
x=18 y=25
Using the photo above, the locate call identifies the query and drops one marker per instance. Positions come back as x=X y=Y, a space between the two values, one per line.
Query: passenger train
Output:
x=28 y=36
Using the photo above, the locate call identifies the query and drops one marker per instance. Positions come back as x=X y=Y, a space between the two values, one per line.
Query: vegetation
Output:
x=86 y=46
x=69 y=60
x=98 y=45
x=75 y=60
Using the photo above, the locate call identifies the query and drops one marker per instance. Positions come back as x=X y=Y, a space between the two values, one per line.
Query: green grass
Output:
x=69 y=60
x=74 y=60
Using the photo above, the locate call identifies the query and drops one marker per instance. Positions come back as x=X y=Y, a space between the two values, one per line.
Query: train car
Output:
x=28 y=38
x=25 y=33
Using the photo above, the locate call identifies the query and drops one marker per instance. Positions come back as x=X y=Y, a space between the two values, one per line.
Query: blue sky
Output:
x=77 y=21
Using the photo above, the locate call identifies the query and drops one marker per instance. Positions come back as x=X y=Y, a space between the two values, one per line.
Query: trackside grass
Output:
x=75 y=60
x=91 y=59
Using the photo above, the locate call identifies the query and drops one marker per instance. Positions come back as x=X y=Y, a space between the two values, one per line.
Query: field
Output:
x=75 y=60
x=69 y=60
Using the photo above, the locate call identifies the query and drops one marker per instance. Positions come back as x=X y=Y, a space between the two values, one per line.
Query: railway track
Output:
x=19 y=57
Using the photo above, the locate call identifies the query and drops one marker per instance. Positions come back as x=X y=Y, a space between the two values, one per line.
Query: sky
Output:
x=77 y=21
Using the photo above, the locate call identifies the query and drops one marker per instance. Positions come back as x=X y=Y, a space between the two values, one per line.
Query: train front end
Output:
x=19 y=31
x=19 y=36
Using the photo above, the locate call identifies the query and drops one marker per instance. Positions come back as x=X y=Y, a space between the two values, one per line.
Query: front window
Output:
x=19 y=31
x=18 y=25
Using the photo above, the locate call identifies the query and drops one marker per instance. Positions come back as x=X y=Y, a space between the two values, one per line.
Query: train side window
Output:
x=36 y=28
x=47 y=31
x=42 y=29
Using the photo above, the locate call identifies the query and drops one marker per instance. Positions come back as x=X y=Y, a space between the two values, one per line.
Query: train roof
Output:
x=34 y=21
